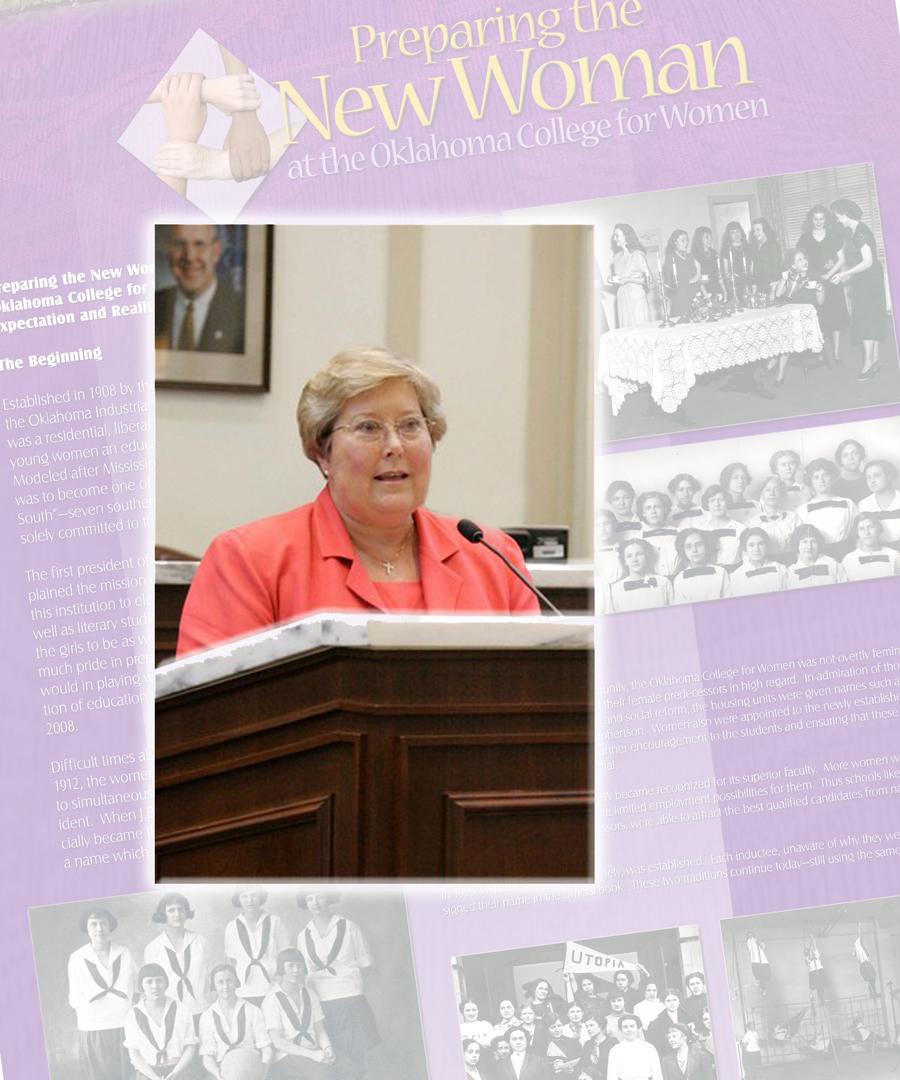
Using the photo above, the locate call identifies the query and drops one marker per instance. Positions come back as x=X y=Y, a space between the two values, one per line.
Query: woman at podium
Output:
x=370 y=422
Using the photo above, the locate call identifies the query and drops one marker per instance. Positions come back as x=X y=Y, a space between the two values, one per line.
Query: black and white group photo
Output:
x=234 y=983
x=747 y=516
x=815 y=993
x=612 y=1008
x=743 y=301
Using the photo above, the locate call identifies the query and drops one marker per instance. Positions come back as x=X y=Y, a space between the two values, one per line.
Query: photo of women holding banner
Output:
x=594 y=1031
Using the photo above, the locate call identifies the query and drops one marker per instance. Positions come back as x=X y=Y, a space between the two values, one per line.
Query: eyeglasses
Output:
x=196 y=247
x=368 y=430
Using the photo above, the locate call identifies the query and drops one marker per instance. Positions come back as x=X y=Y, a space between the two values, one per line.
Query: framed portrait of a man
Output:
x=212 y=309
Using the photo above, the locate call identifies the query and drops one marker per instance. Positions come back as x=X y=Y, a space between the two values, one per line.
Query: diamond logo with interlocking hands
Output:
x=210 y=129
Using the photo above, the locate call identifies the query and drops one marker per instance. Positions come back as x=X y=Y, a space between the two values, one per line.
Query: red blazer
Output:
x=293 y=564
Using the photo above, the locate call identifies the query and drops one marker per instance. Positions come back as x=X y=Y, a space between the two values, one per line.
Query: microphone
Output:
x=475 y=535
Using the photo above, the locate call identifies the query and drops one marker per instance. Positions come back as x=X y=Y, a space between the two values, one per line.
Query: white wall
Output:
x=473 y=305
x=222 y=458
x=478 y=349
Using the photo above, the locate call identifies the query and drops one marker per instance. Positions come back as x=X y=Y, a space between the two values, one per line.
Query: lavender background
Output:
x=73 y=198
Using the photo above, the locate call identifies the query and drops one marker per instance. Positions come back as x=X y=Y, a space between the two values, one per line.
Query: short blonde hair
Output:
x=356 y=371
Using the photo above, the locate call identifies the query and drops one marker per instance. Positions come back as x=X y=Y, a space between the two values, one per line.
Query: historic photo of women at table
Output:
x=312 y=985
x=743 y=301
x=613 y=1008
x=763 y=514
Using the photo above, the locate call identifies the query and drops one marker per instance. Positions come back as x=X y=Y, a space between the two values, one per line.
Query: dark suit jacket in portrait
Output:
x=223 y=330
x=699 y=1066
x=533 y=1068
x=598 y=1069
x=657 y=1032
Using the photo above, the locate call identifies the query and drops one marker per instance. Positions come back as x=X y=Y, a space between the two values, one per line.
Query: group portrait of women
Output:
x=729 y=533
x=625 y=1028
x=256 y=997
x=833 y=264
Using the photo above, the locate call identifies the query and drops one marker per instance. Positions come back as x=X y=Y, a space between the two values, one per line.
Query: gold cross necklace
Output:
x=389 y=565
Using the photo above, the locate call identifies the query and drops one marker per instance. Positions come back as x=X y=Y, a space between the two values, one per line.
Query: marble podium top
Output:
x=564 y=575
x=372 y=632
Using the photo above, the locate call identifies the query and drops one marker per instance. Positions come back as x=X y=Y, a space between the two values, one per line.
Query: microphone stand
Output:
x=537 y=592
x=475 y=535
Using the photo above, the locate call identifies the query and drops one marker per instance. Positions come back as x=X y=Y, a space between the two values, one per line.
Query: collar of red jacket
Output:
x=438 y=543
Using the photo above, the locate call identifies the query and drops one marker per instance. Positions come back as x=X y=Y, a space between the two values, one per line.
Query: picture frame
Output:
x=232 y=335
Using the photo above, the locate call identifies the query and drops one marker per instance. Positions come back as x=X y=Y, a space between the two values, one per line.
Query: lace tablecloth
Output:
x=669 y=361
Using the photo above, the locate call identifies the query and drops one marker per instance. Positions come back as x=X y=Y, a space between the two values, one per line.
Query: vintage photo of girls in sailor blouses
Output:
x=613 y=1008
x=236 y=984
x=741 y=301
x=814 y=991
x=749 y=516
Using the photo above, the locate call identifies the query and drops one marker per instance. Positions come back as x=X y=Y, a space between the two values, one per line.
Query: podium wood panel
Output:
x=400 y=763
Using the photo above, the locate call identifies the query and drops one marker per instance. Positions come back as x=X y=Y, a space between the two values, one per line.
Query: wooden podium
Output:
x=378 y=747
